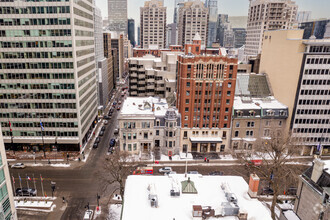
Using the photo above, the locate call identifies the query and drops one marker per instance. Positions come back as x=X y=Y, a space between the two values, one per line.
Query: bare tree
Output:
x=276 y=154
x=116 y=168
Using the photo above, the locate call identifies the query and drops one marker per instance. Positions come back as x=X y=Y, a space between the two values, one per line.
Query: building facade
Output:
x=222 y=25
x=240 y=37
x=314 y=28
x=131 y=31
x=267 y=15
x=172 y=34
x=152 y=76
x=153 y=24
x=147 y=126
x=117 y=15
x=304 y=16
x=205 y=96
x=117 y=44
x=110 y=62
x=306 y=79
x=47 y=74
x=193 y=18
x=7 y=205
x=212 y=5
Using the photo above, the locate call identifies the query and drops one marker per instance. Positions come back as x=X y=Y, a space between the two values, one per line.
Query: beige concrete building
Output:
x=267 y=15
x=153 y=24
x=193 y=18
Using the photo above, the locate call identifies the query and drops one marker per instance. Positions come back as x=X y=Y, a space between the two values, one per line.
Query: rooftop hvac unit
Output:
x=153 y=200
x=229 y=209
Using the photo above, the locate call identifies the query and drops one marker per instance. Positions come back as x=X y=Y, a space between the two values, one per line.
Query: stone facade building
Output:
x=148 y=126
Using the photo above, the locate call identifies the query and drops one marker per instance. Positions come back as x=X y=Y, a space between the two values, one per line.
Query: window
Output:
x=187 y=93
x=267 y=123
x=236 y=133
x=145 y=135
x=188 y=84
x=129 y=147
x=266 y=132
x=227 y=101
x=250 y=124
x=187 y=101
x=249 y=133
x=129 y=136
x=157 y=132
x=222 y=148
x=224 y=134
x=186 y=109
x=134 y=147
x=237 y=124
x=134 y=136
x=185 y=134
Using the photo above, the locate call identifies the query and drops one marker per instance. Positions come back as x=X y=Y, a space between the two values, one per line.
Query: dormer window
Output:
x=270 y=112
x=239 y=113
x=252 y=113
x=282 y=113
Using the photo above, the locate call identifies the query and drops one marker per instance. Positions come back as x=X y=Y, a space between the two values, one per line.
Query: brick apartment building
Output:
x=205 y=96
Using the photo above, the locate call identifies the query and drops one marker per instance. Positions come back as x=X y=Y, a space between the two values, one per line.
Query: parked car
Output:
x=103 y=128
x=95 y=145
x=88 y=215
x=291 y=191
x=216 y=173
x=18 y=166
x=105 y=122
x=267 y=191
x=112 y=142
x=110 y=114
x=193 y=172
x=106 y=117
x=114 y=104
x=122 y=93
x=116 y=131
x=111 y=149
x=168 y=173
x=97 y=140
x=165 y=169
x=119 y=103
x=26 y=192
x=101 y=133
x=118 y=107
x=111 y=110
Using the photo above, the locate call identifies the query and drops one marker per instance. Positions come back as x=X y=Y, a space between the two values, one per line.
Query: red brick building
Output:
x=140 y=52
x=205 y=96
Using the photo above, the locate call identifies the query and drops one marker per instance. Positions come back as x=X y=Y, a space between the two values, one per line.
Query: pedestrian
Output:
x=63 y=199
x=208 y=160
x=204 y=159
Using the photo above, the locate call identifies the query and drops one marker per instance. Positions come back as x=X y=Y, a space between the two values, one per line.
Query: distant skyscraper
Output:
x=153 y=24
x=176 y=9
x=49 y=78
x=171 y=31
x=139 y=35
x=222 y=25
x=267 y=15
x=239 y=37
x=212 y=5
x=117 y=14
x=131 y=31
x=304 y=16
x=193 y=18
x=316 y=28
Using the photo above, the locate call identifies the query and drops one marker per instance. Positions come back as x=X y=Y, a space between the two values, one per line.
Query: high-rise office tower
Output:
x=205 y=96
x=304 y=16
x=153 y=24
x=47 y=72
x=193 y=18
x=131 y=31
x=7 y=210
x=110 y=61
x=267 y=15
x=302 y=67
x=212 y=5
x=314 y=28
x=222 y=26
x=117 y=15
x=177 y=5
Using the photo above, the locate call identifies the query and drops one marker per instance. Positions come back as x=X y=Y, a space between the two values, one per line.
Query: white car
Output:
x=165 y=170
x=88 y=215
x=105 y=122
x=18 y=166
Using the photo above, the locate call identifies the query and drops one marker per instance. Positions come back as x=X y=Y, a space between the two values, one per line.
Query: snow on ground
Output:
x=114 y=212
x=33 y=204
x=137 y=205
x=191 y=164
x=227 y=157
x=60 y=165
x=38 y=210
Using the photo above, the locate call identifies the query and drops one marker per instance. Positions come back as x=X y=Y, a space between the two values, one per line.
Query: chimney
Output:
x=317 y=169
x=153 y=107
x=253 y=185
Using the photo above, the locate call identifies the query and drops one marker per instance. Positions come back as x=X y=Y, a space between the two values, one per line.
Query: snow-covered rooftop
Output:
x=137 y=205
x=144 y=106
x=327 y=165
x=258 y=103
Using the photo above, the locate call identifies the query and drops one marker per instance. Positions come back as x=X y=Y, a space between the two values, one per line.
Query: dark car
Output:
x=193 y=172
x=95 y=145
x=112 y=142
x=97 y=140
x=110 y=114
x=26 y=192
x=101 y=133
x=106 y=117
x=216 y=173
x=111 y=110
x=114 y=104
x=291 y=191
x=103 y=128
x=118 y=107
x=267 y=191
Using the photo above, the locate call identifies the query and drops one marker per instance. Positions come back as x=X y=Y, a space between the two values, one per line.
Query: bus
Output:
x=143 y=171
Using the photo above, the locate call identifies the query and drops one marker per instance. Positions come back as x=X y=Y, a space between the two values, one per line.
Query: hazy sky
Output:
x=319 y=8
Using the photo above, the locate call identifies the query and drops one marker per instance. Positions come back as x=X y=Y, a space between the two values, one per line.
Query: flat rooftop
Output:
x=137 y=205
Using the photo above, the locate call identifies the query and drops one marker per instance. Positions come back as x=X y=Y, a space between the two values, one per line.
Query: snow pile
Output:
x=114 y=212
x=60 y=165
x=137 y=205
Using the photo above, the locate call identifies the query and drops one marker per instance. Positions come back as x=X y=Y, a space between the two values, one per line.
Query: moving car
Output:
x=193 y=172
x=165 y=170
x=101 y=133
x=26 y=192
x=112 y=142
x=18 y=166
x=267 y=191
x=88 y=215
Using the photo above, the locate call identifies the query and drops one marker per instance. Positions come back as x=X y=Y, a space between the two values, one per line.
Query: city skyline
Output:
x=318 y=8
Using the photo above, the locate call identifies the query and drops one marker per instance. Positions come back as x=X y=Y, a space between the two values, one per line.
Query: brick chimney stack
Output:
x=253 y=185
